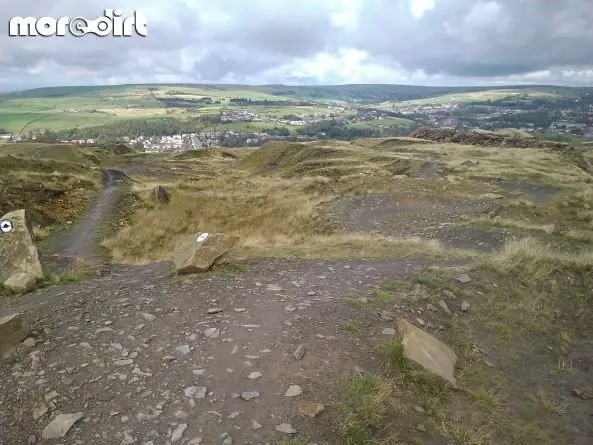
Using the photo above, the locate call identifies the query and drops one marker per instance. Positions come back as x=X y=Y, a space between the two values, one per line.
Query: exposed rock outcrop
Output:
x=19 y=259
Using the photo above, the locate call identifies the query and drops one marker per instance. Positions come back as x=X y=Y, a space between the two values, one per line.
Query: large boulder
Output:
x=197 y=253
x=12 y=331
x=19 y=259
x=161 y=194
x=427 y=351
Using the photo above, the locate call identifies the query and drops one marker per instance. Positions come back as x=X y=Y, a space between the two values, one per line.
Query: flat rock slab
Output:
x=427 y=351
x=60 y=426
x=198 y=252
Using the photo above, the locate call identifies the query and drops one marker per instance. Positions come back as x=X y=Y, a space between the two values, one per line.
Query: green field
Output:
x=63 y=108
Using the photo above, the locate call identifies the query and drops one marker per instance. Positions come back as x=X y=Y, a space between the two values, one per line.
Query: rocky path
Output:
x=144 y=358
x=81 y=242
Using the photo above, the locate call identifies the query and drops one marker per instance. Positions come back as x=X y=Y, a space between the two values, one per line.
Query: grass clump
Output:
x=364 y=405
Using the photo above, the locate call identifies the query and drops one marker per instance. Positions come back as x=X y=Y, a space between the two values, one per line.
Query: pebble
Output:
x=273 y=287
x=254 y=375
x=421 y=322
x=449 y=294
x=214 y=310
x=465 y=305
x=255 y=425
x=299 y=352
x=444 y=307
x=195 y=441
x=285 y=428
x=248 y=395
x=293 y=391
x=388 y=331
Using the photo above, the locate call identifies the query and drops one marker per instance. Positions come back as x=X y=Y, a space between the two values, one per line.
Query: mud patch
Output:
x=538 y=193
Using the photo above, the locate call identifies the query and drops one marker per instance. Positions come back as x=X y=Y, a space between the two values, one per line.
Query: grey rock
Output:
x=387 y=315
x=248 y=395
x=195 y=441
x=60 y=426
x=449 y=294
x=212 y=333
x=293 y=391
x=197 y=392
x=463 y=278
x=444 y=307
x=12 y=331
x=184 y=349
x=178 y=432
x=128 y=440
x=32 y=439
x=465 y=305
x=389 y=331
x=299 y=352
x=254 y=375
x=255 y=425
x=273 y=287
x=285 y=428
x=161 y=194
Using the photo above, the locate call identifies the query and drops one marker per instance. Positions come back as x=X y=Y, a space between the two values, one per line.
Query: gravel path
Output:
x=151 y=359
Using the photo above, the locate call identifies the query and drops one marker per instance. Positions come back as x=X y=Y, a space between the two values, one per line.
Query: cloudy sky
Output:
x=421 y=42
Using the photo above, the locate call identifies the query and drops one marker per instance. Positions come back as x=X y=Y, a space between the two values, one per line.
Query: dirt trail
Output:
x=81 y=243
x=130 y=350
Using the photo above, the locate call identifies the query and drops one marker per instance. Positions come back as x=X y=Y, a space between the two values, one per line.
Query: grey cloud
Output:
x=194 y=40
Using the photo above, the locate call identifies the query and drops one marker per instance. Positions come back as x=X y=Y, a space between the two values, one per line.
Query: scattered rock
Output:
x=184 y=349
x=193 y=256
x=149 y=317
x=425 y=350
x=248 y=395
x=444 y=307
x=161 y=194
x=463 y=278
x=285 y=428
x=293 y=391
x=212 y=333
x=465 y=305
x=195 y=441
x=128 y=439
x=388 y=331
x=273 y=288
x=178 y=432
x=419 y=410
x=449 y=294
x=214 y=310
x=12 y=331
x=254 y=375
x=255 y=425
x=310 y=409
x=299 y=353
x=197 y=392
x=60 y=426
x=29 y=342
x=32 y=439
x=420 y=322
x=39 y=410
